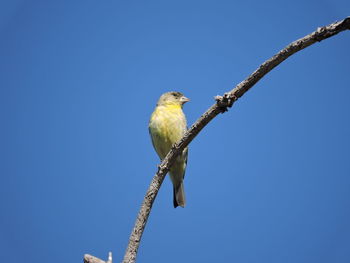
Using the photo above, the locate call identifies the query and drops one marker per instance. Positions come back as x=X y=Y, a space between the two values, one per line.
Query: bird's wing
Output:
x=152 y=139
x=185 y=155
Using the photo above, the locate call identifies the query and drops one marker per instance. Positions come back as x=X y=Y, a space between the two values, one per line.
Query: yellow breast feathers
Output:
x=167 y=126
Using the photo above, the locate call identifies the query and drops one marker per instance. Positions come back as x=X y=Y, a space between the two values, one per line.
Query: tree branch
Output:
x=91 y=259
x=222 y=104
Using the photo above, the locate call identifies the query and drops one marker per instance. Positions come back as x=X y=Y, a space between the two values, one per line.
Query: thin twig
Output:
x=222 y=104
x=110 y=260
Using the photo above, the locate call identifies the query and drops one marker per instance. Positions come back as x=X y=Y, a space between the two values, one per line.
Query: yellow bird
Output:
x=166 y=127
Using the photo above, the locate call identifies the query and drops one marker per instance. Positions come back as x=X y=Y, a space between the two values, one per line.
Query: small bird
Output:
x=166 y=127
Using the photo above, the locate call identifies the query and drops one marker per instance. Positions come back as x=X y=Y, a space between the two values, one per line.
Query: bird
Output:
x=167 y=126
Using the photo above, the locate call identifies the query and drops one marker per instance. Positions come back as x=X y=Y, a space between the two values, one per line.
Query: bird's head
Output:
x=172 y=98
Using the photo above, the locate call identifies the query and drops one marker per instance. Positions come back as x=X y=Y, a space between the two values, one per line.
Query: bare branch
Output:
x=222 y=104
x=91 y=259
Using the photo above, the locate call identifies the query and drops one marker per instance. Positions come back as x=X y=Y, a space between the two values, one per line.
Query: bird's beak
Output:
x=184 y=99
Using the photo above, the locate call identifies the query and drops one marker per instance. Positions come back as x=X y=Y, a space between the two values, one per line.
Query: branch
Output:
x=91 y=259
x=222 y=104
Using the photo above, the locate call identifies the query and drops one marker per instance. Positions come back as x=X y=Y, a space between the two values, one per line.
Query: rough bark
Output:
x=222 y=104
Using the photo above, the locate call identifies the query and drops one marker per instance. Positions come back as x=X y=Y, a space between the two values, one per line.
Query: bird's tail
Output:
x=179 y=195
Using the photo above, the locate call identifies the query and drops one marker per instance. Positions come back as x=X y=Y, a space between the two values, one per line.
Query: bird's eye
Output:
x=176 y=94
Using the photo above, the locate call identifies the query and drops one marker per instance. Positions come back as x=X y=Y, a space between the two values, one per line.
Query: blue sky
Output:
x=266 y=182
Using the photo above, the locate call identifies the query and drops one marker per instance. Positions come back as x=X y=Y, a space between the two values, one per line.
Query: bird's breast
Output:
x=167 y=126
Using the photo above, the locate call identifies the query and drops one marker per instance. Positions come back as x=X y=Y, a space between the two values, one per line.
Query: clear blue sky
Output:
x=269 y=181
